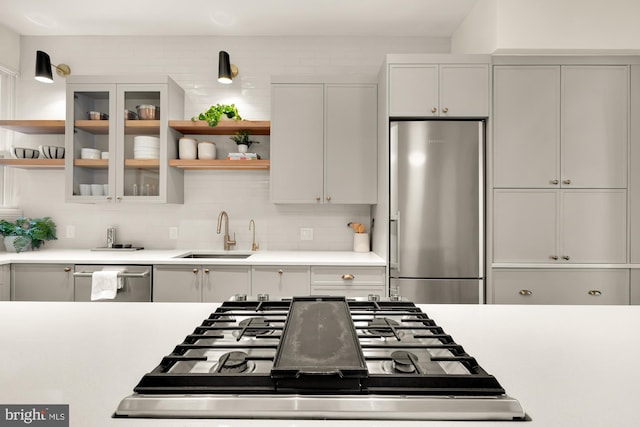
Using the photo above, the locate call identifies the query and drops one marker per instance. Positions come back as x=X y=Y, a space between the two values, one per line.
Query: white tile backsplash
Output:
x=192 y=63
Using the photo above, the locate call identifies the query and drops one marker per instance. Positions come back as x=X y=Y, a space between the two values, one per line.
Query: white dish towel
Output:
x=106 y=282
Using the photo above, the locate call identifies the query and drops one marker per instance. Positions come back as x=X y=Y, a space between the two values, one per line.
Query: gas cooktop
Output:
x=320 y=358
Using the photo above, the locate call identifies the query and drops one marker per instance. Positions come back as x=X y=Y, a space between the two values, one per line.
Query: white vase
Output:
x=17 y=243
x=242 y=148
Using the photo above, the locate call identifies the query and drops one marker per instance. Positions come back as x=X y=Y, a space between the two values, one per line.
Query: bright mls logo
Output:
x=35 y=415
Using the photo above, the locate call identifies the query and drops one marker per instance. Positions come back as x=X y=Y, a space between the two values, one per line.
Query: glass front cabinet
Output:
x=118 y=141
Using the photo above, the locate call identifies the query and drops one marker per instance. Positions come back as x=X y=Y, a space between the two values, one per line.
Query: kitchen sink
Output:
x=199 y=255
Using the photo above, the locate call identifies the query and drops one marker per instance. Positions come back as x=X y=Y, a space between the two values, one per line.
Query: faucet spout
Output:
x=227 y=241
x=254 y=245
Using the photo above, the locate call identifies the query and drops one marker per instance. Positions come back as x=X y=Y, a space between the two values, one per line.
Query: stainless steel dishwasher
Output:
x=136 y=285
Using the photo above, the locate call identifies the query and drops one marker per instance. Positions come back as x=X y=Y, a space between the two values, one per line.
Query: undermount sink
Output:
x=213 y=256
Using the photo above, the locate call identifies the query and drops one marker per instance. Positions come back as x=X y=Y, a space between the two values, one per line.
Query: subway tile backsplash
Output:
x=192 y=63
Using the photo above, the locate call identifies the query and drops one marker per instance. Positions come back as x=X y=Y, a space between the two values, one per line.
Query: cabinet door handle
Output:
x=566 y=181
x=566 y=257
x=445 y=110
x=67 y=269
x=206 y=271
x=554 y=257
x=195 y=271
x=328 y=198
x=348 y=276
x=594 y=293
x=280 y=272
x=318 y=199
x=434 y=109
x=525 y=292
x=119 y=198
x=554 y=182
x=109 y=198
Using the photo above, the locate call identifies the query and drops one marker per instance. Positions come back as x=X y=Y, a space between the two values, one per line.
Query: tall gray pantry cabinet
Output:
x=560 y=162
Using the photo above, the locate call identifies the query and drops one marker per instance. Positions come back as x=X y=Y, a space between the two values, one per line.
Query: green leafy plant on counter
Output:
x=29 y=231
x=213 y=114
x=242 y=138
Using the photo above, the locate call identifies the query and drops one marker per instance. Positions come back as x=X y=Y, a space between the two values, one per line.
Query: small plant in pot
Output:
x=26 y=233
x=217 y=112
x=241 y=138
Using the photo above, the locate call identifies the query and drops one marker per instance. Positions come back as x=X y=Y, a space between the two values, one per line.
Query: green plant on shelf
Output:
x=242 y=138
x=215 y=112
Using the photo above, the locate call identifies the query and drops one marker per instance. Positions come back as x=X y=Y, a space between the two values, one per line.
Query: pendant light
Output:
x=226 y=70
x=43 y=68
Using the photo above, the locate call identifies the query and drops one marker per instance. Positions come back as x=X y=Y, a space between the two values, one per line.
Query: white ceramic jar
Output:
x=206 y=150
x=187 y=148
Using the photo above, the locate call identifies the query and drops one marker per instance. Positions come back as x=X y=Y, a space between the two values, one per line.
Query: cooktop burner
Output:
x=319 y=357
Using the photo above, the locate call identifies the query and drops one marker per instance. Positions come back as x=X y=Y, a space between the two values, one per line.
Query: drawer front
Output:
x=349 y=292
x=591 y=287
x=348 y=276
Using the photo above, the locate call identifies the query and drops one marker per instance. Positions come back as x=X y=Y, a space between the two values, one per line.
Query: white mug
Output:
x=206 y=150
x=187 y=148
x=97 y=190
x=85 y=189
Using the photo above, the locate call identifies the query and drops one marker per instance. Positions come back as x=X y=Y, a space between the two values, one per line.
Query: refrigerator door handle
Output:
x=395 y=263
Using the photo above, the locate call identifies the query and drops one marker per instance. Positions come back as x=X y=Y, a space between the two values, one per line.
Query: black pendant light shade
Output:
x=226 y=70
x=43 y=68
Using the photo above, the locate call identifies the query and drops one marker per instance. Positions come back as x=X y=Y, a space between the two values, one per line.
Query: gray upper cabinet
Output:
x=594 y=126
x=438 y=90
x=560 y=126
x=526 y=126
x=323 y=143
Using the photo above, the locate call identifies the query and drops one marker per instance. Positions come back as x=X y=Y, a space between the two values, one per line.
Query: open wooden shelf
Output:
x=128 y=163
x=131 y=127
x=221 y=164
x=34 y=127
x=224 y=127
x=33 y=163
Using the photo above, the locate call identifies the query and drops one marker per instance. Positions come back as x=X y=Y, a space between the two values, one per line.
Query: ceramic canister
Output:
x=206 y=150
x=187 y=148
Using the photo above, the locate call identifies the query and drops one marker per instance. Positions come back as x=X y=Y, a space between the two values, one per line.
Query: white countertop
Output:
x=146 y=256
x=567 y=365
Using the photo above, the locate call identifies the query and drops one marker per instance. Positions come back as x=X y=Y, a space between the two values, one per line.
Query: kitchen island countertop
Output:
x=171 y=256
x=567 y=365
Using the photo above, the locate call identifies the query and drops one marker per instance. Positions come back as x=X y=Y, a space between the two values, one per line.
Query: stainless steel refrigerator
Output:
x=436 y=227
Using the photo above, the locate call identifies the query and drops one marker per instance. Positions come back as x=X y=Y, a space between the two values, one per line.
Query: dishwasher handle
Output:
x=130 y=275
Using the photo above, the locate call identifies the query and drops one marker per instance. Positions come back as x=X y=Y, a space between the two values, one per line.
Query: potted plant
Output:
x=26 y=233
x=241 y=138
x=216 y=112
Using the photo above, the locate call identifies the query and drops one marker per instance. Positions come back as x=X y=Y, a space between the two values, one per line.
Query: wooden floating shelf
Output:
x=128 y=163
x=224 y=127
x=221 y=164
x=131 y=127
x=35 y=127
x=33 y=163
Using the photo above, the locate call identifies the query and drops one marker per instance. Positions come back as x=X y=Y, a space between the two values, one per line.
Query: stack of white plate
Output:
x=89 y=153
x=146 y=147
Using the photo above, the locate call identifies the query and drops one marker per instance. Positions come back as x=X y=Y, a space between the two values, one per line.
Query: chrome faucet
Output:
x=227 y=241
x=254 y=245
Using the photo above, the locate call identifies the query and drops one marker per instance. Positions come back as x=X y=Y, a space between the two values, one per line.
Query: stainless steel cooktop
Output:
x=320 y=358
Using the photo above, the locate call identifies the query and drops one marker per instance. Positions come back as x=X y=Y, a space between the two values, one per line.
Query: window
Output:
x=7 y=111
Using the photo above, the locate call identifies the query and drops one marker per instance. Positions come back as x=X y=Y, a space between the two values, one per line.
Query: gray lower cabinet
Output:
x=561 y=286
x=5 y=282
x=42 y=282
x=280 y=281
x=348 y=281
x=634 y=287
x=196 y=283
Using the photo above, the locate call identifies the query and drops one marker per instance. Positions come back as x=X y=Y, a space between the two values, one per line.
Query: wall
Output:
x=9 y=49
x=192 y=62
x=542 y=26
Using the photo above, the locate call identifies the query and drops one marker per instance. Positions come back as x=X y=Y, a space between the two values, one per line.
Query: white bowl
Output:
x=145 y=139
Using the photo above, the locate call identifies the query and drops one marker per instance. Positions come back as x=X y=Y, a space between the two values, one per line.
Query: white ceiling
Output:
x=428 y=18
